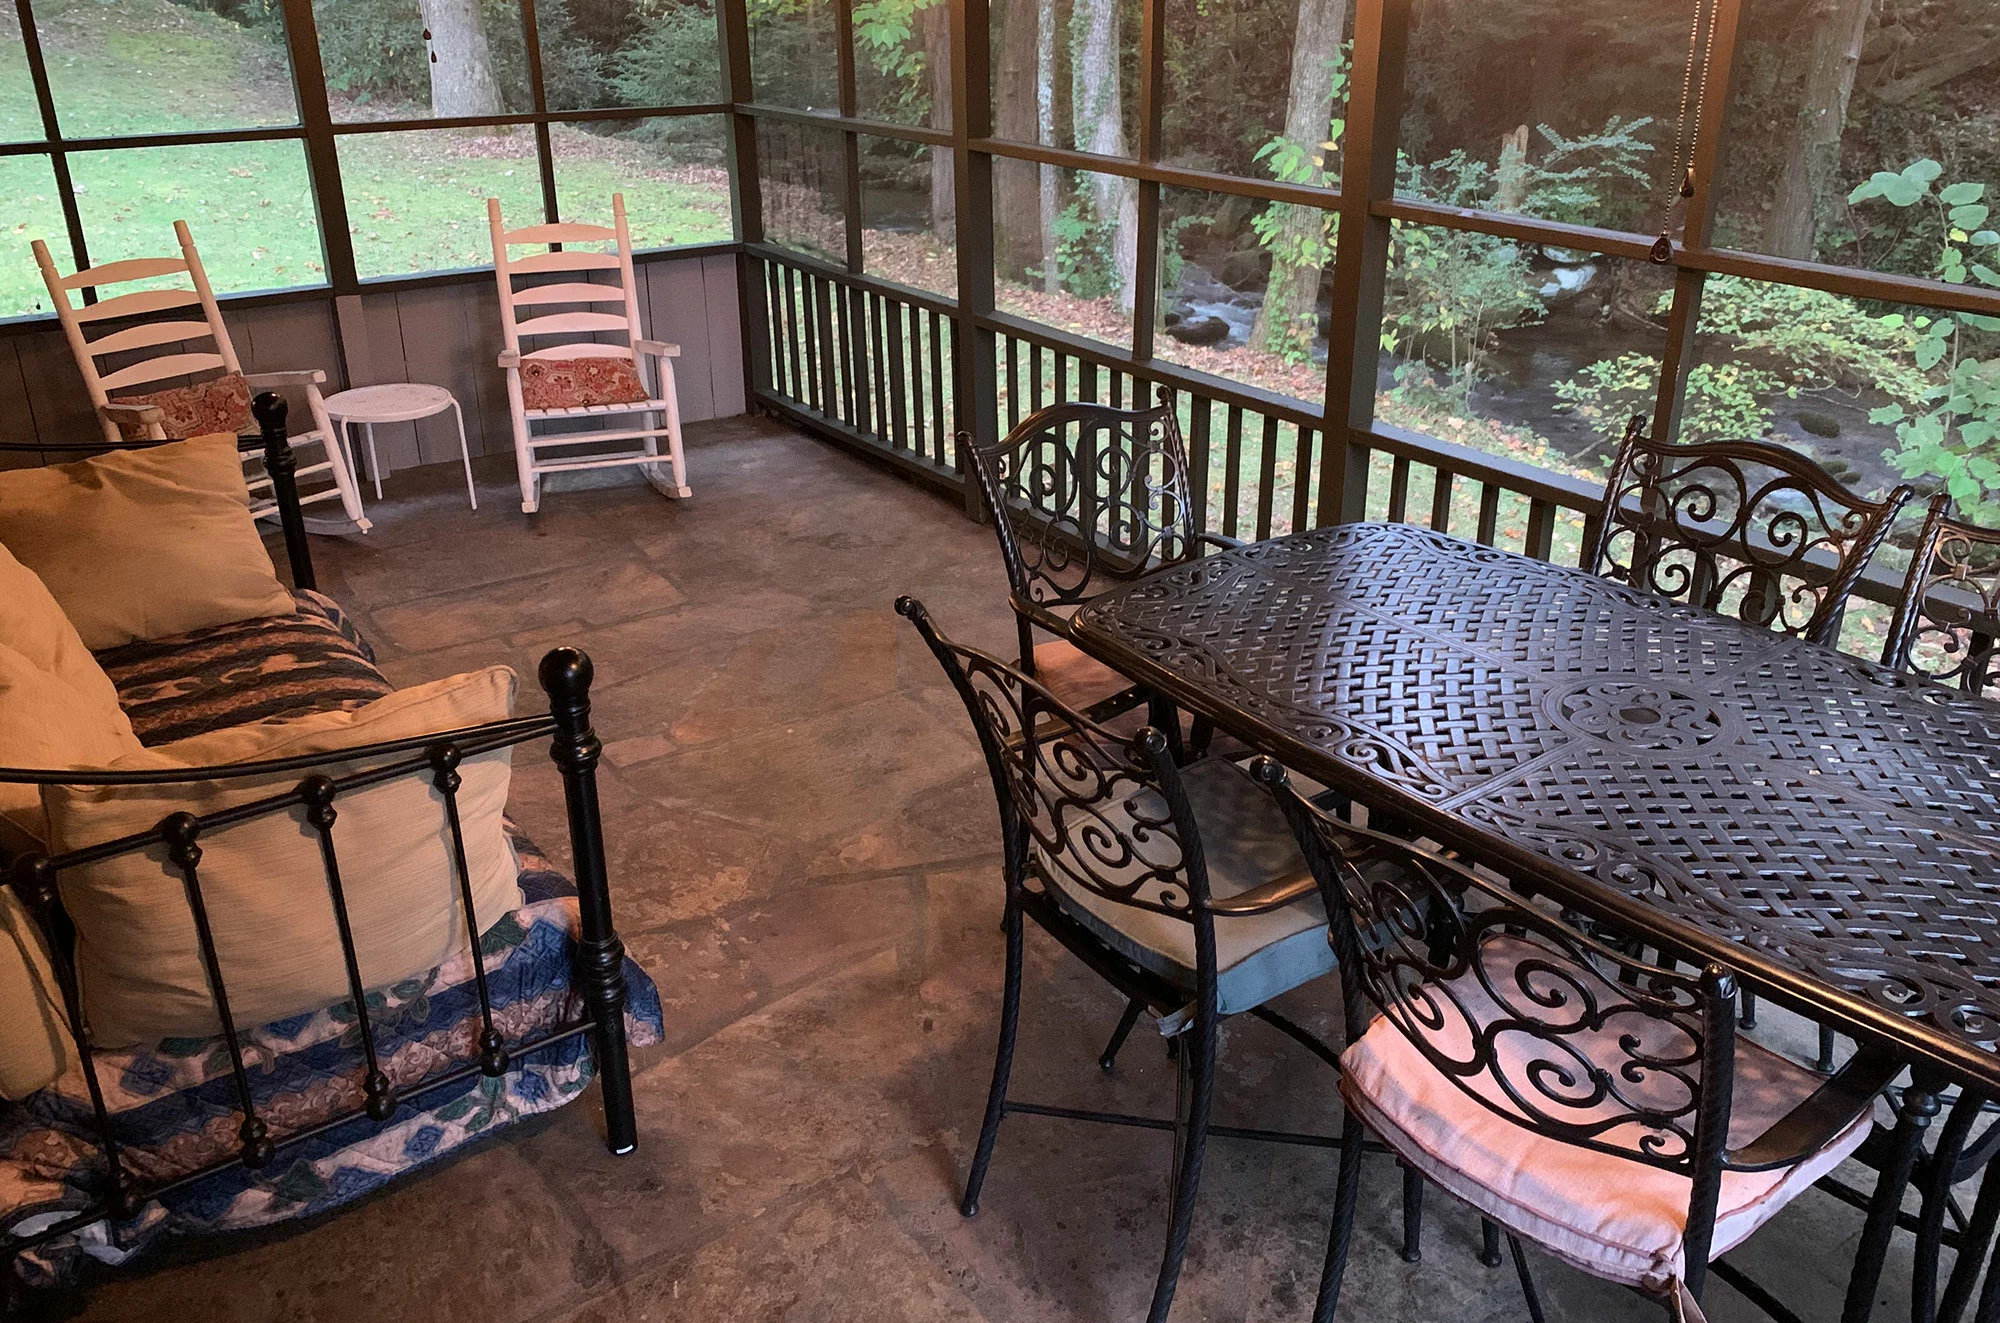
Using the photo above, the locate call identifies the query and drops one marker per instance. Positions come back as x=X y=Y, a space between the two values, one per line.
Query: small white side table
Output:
x=398 y=402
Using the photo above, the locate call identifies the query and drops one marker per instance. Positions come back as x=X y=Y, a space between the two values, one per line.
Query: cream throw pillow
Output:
x=32 y=624
x=44 y=723
x=34 y=1042
x=142 y=544
x=262 y=881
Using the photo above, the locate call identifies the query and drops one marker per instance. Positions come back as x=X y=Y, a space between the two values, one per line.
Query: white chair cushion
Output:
x=1247 y=843
x=1613 y=1217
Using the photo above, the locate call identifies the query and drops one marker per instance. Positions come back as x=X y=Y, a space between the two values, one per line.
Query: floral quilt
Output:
x=175 y=1109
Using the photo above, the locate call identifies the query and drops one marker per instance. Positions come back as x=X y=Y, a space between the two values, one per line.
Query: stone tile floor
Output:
x=802 y=846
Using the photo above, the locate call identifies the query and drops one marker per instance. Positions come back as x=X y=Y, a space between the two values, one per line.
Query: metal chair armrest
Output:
x=1273 y=895
x=1828 y=1110
x=1221 y=541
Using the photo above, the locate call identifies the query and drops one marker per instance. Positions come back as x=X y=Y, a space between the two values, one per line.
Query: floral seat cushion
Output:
x=578 y=383
x=207 y=407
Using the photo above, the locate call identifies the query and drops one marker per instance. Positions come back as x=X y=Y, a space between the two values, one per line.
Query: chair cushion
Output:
x=34 y=1035
x=263 y=883
x=219 y=405
x=1611 y=1216
x=1076 y=678
x=577 y=383
x=1247 y=844
x=139 y=544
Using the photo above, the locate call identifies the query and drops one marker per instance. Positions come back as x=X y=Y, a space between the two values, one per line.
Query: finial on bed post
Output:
x=565 y=674
x=283 y=467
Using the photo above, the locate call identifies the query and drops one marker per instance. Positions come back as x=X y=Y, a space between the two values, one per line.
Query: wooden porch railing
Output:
x=870 y=364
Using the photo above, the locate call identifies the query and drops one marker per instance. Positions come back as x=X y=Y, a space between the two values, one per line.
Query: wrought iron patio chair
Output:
x=1085 y=497
x=1181 y=886
x=1947 y=625
x=1598 y=1105
x=1746 y=528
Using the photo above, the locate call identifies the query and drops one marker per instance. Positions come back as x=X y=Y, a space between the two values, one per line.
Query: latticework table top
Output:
x=1823 y=826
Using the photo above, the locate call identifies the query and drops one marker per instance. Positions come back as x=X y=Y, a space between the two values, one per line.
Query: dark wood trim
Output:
x=1361 y=252
x=45 y=106
x=322 y=157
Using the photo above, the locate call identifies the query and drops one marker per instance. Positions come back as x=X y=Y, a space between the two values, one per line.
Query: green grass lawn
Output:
x=416 y=202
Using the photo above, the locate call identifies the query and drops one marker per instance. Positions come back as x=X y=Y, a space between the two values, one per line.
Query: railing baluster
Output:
x=1062 y=375
x=781 y=376
x=181 y=832
x=1010 y=348
x=788 y=274
x=1489 y=511
x=1441 y=500
x=1541 y=528
x=1399 y=489
x=1267 y=477
x=913 y=330
x=1232 y=470
x=1593 y=525
x=878 y=341
x=823 y=294
x=1198 y=442
x=940 y=430
x=843 y=331
x=317 y=791
x=1302 y=471
x=899 y=394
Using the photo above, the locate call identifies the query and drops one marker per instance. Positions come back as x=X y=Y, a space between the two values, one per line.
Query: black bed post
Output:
x=600 y=957
x=283 y=466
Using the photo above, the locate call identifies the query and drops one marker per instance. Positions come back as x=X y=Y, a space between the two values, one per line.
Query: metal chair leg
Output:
x=1489 y=1243
x=1528 y=1291
x=1341 y=1235
x=1196 y=1072
x=1826 y=1044
x=1973 y=1246
x=1413 y=1214
x=1003 y=1065
x=1747 y=1018
x=1919 y=1105
x=1109 y=1057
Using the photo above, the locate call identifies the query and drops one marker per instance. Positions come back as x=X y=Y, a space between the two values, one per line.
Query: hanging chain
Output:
x=1694 y=94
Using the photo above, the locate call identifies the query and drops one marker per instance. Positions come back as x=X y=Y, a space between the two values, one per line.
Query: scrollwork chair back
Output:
x=1106 y=813
x=1947 y=625
x=1085 y=497
x=1557 y=1030
x=1745 y=528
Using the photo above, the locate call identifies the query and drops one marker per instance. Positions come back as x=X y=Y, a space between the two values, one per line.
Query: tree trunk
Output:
x=1832 y=57
x=1017 y=222
x=1045 y=134
x=935 y=24
x=1097 y=108
x=462 y=82
x=1298 y=246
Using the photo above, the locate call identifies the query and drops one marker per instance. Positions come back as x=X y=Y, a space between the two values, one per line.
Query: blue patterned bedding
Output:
x=175 y=1109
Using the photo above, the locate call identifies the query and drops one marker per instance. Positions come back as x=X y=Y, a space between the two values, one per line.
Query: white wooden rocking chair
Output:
x=574 y=375
x=218 y=403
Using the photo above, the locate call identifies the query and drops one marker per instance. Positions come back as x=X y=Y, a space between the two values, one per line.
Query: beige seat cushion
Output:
x=1611 y=1216
x=262 y=880
x=44 y=723
x=140 y=544
x=1247 y=843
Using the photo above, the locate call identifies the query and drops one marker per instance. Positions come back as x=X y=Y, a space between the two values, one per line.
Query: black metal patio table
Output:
x=1825 y=827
